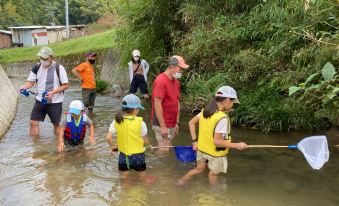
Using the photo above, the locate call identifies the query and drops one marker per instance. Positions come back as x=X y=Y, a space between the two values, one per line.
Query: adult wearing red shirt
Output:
x=165 y=101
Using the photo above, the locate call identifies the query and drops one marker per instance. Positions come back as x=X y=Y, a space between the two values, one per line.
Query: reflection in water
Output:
x=33 y=173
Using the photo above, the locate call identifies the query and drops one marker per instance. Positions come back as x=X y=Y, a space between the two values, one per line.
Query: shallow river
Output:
x=33 y=173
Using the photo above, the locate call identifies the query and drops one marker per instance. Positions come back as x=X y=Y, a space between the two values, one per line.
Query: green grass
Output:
x=80 y=45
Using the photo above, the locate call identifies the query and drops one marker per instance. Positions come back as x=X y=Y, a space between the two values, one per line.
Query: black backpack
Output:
x=36 y=68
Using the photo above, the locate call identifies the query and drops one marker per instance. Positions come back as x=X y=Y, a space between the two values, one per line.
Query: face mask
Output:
x=136 y=58
x=44 y=63
x=91 y=61
x=177 y=75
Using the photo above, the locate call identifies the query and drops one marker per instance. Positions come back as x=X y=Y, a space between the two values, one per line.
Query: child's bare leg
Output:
x=200 y=168
x=212 y=177
x=124 y=174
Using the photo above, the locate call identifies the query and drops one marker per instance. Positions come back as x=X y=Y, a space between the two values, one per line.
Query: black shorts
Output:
x=138 y=81
x=134 y=161
x=53 y=111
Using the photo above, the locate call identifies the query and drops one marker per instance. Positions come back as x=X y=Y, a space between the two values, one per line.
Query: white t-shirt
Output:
x=44 y=77
x=221 y=126
x=143 y=131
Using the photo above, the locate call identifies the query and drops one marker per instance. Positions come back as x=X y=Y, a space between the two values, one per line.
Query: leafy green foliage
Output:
x=46 y=12
x=101 y=85
x=252 y=45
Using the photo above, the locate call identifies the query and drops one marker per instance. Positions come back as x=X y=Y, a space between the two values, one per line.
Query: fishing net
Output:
x=185 y=154
x=315 y=150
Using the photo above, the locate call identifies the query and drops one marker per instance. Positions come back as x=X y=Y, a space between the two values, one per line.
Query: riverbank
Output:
x=95 y=42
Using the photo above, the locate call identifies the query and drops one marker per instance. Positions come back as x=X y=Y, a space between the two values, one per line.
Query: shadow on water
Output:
x=33 y=173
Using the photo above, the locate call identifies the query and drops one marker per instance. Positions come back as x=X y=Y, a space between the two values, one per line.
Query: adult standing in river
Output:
x=138 y=69
x=165 y=115
x=85 y=72
x=51 y=81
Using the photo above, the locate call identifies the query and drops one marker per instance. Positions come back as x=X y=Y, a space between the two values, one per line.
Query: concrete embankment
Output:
x=107 y=68
x=8 y=103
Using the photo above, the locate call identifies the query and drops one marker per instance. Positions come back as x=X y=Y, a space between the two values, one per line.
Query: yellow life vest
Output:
x=129 y=135
x=206 y=134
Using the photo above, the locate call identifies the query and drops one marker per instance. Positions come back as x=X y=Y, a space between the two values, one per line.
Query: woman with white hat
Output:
x=138 y=69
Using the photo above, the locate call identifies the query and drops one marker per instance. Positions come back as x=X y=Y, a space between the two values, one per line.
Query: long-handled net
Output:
x=314 y=149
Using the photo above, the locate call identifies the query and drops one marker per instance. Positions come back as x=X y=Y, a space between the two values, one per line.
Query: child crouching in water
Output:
x=214 y=139
x=130 y=132
x=73 y=128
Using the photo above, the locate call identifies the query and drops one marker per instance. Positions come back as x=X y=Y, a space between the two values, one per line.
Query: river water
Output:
x=33 y=173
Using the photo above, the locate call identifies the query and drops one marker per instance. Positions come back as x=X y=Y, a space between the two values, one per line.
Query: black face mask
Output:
x=91 y=61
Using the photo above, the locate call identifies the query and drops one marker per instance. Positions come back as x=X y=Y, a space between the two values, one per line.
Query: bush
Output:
x=101 y=85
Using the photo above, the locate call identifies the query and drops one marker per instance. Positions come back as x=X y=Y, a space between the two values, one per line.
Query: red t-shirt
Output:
x=169 y=91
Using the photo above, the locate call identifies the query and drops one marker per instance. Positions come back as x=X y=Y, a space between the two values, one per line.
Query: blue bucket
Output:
x=185 y=154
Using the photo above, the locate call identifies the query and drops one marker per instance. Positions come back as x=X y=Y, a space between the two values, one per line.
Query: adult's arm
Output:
x=146 y=66
x=62 y=88
x=27 y=85
x=76 y=73
x=160 y=116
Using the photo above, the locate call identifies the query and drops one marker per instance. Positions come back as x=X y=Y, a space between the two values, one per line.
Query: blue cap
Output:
x=131 y=101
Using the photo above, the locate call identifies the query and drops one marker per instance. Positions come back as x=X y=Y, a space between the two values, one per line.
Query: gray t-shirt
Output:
x=63 y=122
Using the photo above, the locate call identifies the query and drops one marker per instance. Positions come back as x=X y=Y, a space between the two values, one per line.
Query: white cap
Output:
x=227 y=91
x=136 y=53
x=45 y=52
x=76 y=107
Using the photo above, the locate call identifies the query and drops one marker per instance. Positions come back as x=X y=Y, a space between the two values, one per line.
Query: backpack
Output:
x=36 y=68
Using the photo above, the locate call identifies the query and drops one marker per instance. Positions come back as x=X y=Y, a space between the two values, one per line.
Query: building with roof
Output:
x=36 y=35
x=5 y=39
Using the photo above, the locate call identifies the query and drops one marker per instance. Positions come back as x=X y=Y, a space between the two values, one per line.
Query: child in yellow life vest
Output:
x=130 y=132
x=73 y=128
x=214 y=139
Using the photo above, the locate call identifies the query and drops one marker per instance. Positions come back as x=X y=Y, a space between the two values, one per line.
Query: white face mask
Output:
x=136 y=58
x=177 y=75
x=44 y=63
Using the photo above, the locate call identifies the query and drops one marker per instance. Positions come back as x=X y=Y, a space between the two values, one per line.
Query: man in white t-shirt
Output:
x=51 y=82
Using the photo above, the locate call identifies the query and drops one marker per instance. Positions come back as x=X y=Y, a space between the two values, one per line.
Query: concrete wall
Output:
x=111 y=71
x=107 y=68
x=8 y=103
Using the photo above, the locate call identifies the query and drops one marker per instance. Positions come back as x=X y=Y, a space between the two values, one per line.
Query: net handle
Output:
x=273 y=146
x=158 y=147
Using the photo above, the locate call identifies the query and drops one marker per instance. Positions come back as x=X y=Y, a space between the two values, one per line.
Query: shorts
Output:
x=134 y=161
x=216 y=164
x=88 y=97
x=53 y=111
x=138 y=81
x=158 y=136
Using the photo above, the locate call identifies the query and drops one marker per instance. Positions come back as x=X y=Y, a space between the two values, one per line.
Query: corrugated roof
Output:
x=6 y=32
x=37 y=27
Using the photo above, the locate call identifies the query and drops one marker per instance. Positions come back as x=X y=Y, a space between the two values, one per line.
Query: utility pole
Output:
x=67 y=21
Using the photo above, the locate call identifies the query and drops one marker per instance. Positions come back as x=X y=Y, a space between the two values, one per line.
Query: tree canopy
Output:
x=51 y=12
